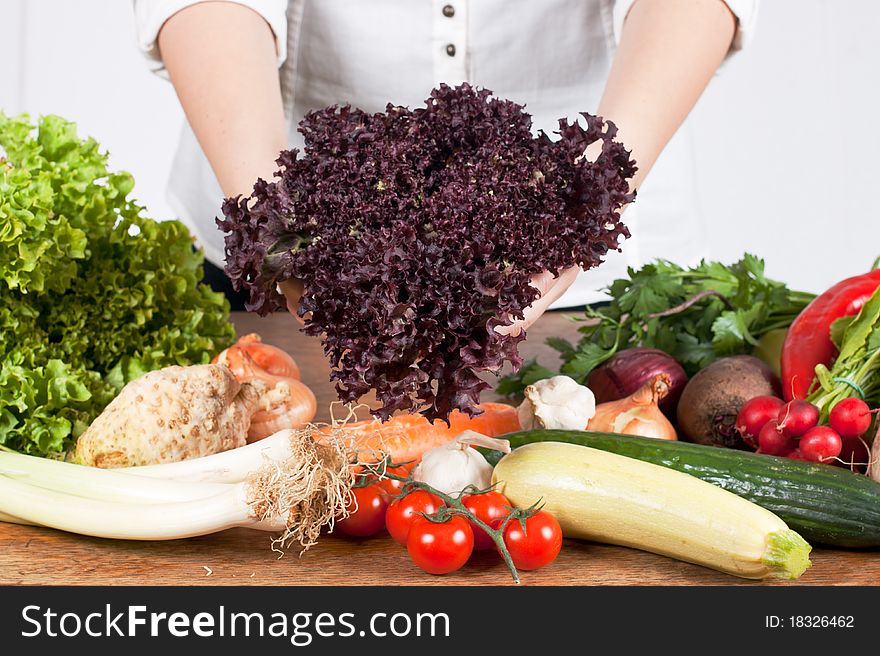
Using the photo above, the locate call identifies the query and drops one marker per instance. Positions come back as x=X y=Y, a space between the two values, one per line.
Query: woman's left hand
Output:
x=551 y=289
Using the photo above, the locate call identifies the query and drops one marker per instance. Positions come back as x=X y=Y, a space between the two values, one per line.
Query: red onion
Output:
x=628 y=370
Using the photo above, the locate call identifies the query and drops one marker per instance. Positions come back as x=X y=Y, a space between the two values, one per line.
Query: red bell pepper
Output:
x=808 y=342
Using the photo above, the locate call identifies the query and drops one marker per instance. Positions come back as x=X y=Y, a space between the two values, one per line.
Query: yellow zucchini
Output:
x=601 y=496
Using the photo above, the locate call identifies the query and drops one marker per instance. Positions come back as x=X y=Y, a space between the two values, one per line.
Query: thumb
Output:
x=550 y=290
x=292 y=291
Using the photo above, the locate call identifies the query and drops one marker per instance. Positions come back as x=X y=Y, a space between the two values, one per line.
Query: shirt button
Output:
x=449 y=11
x=450 y=50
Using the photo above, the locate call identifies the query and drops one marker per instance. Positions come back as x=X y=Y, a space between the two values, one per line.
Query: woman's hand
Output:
x=293 y=291
x=665 y=44
x=551 y=289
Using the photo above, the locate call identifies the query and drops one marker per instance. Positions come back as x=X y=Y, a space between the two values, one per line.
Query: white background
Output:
x=785 y=138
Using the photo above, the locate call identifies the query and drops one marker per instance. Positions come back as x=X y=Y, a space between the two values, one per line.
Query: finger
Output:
x=559 y=287
x=293 y=291
x=554 y=288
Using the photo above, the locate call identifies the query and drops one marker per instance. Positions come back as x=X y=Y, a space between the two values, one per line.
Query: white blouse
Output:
x=551 y=55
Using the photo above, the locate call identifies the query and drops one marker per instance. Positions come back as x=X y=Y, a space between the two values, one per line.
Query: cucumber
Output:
x=604 y=497
x=825 y=504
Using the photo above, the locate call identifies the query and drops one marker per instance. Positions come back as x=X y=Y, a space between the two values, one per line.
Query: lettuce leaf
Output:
x=92 y=293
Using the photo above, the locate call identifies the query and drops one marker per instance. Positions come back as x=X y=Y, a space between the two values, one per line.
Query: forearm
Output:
x=668 y=52
x=221 y=59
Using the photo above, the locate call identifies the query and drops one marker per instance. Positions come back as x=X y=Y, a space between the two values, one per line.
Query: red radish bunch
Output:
x=773 y=441
x=797 y=417
x=792 y=429
x=850 y=417
x=820 y=444
x=755 y=414
x=855 y=453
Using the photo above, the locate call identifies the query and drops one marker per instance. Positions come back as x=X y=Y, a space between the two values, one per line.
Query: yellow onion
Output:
x=638 y=413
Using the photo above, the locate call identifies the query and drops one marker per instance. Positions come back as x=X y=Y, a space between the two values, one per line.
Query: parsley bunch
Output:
x=695 y=315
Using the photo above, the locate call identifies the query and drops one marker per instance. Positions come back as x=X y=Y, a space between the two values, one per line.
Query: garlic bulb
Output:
x=452 y=467
x=557 y=402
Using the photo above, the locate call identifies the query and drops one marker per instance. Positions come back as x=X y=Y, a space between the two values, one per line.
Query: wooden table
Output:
x=30 y=555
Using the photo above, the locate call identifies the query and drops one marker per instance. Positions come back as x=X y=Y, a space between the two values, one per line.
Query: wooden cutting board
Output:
x=31 y=555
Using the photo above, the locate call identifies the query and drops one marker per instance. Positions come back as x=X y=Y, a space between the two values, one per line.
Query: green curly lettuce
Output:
x=92 y=293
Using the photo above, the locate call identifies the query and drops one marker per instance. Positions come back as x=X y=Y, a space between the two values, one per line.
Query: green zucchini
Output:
x=825 y=504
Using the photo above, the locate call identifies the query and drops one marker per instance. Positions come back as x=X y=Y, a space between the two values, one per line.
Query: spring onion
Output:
x=231 y=466
x=296 y=494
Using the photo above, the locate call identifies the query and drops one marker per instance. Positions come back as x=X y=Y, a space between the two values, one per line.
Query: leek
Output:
x=231 y=466
x=91 y=482
x=297 y=490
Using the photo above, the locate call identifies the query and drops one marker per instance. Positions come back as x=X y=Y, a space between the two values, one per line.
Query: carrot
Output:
x=403 y=437
x=406 y=437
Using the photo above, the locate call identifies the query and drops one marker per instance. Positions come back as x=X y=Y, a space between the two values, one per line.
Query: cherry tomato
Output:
x=392 y=487
x=440 y=547
x=488 y=507
x=367 y=512
x=400 y=514
x=538 y=545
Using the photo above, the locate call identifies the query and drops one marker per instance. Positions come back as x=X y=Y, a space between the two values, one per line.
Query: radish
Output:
x=796 y=455
x=774 y=442
x=754 y=415
x=850 y=417
x=797 y=417
x=820 y=444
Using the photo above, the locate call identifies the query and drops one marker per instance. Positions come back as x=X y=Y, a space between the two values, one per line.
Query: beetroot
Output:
x=712 y=399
